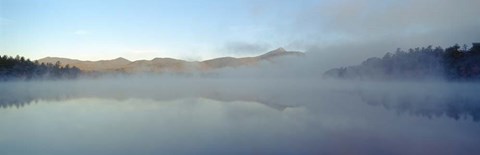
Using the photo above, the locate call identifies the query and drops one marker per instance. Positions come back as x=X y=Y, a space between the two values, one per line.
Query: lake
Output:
x=238 y=116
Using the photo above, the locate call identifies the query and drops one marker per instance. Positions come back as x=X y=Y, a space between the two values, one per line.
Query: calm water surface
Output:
x=303 y=119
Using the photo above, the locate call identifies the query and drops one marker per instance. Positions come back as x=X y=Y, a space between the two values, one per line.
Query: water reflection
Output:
x=454 y=105
x=274 y=117
x=19 y=100
x=431 y=101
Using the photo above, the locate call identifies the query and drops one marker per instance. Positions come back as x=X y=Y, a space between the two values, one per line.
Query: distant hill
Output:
x=102 y=65
x=169 y=64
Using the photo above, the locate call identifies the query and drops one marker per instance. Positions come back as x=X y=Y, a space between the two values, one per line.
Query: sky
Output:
x=204 y=29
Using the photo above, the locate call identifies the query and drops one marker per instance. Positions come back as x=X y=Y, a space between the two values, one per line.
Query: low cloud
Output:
x=242 y=48
x=406 y=23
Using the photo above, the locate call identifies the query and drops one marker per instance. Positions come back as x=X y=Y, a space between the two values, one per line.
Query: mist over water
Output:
x=224 y=115
x=239 y=77
x=278 y=106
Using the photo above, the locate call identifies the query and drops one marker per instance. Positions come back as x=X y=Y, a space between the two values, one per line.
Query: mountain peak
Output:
x=279 y=50
x=121 y=58
x=276 y=51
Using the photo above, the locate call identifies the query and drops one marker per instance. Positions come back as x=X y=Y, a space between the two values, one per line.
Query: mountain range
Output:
x=169 y=64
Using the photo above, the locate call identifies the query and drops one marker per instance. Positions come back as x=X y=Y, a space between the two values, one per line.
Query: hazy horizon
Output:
x=171 y=57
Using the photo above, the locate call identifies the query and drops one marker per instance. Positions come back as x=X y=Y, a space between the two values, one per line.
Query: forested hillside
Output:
x=453 y=63
x=20 y=68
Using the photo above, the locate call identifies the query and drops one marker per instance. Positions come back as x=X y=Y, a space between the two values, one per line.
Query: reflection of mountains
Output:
x=9 y=100
x=452 y=104
x=457 y=103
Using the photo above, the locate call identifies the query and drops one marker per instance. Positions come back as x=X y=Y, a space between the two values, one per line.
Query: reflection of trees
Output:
x=8 y=100
x=7 y=103
x=453 y=105
x=453 y=101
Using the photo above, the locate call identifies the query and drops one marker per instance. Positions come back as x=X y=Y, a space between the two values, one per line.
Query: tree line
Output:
x=20 y=68
x=453 y=63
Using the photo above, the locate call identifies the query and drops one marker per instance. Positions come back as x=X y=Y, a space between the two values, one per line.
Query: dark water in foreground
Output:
x=214 y=117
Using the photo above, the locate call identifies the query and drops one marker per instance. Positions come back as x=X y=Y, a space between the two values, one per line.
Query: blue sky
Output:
x=201 y=29
x=138 y=29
